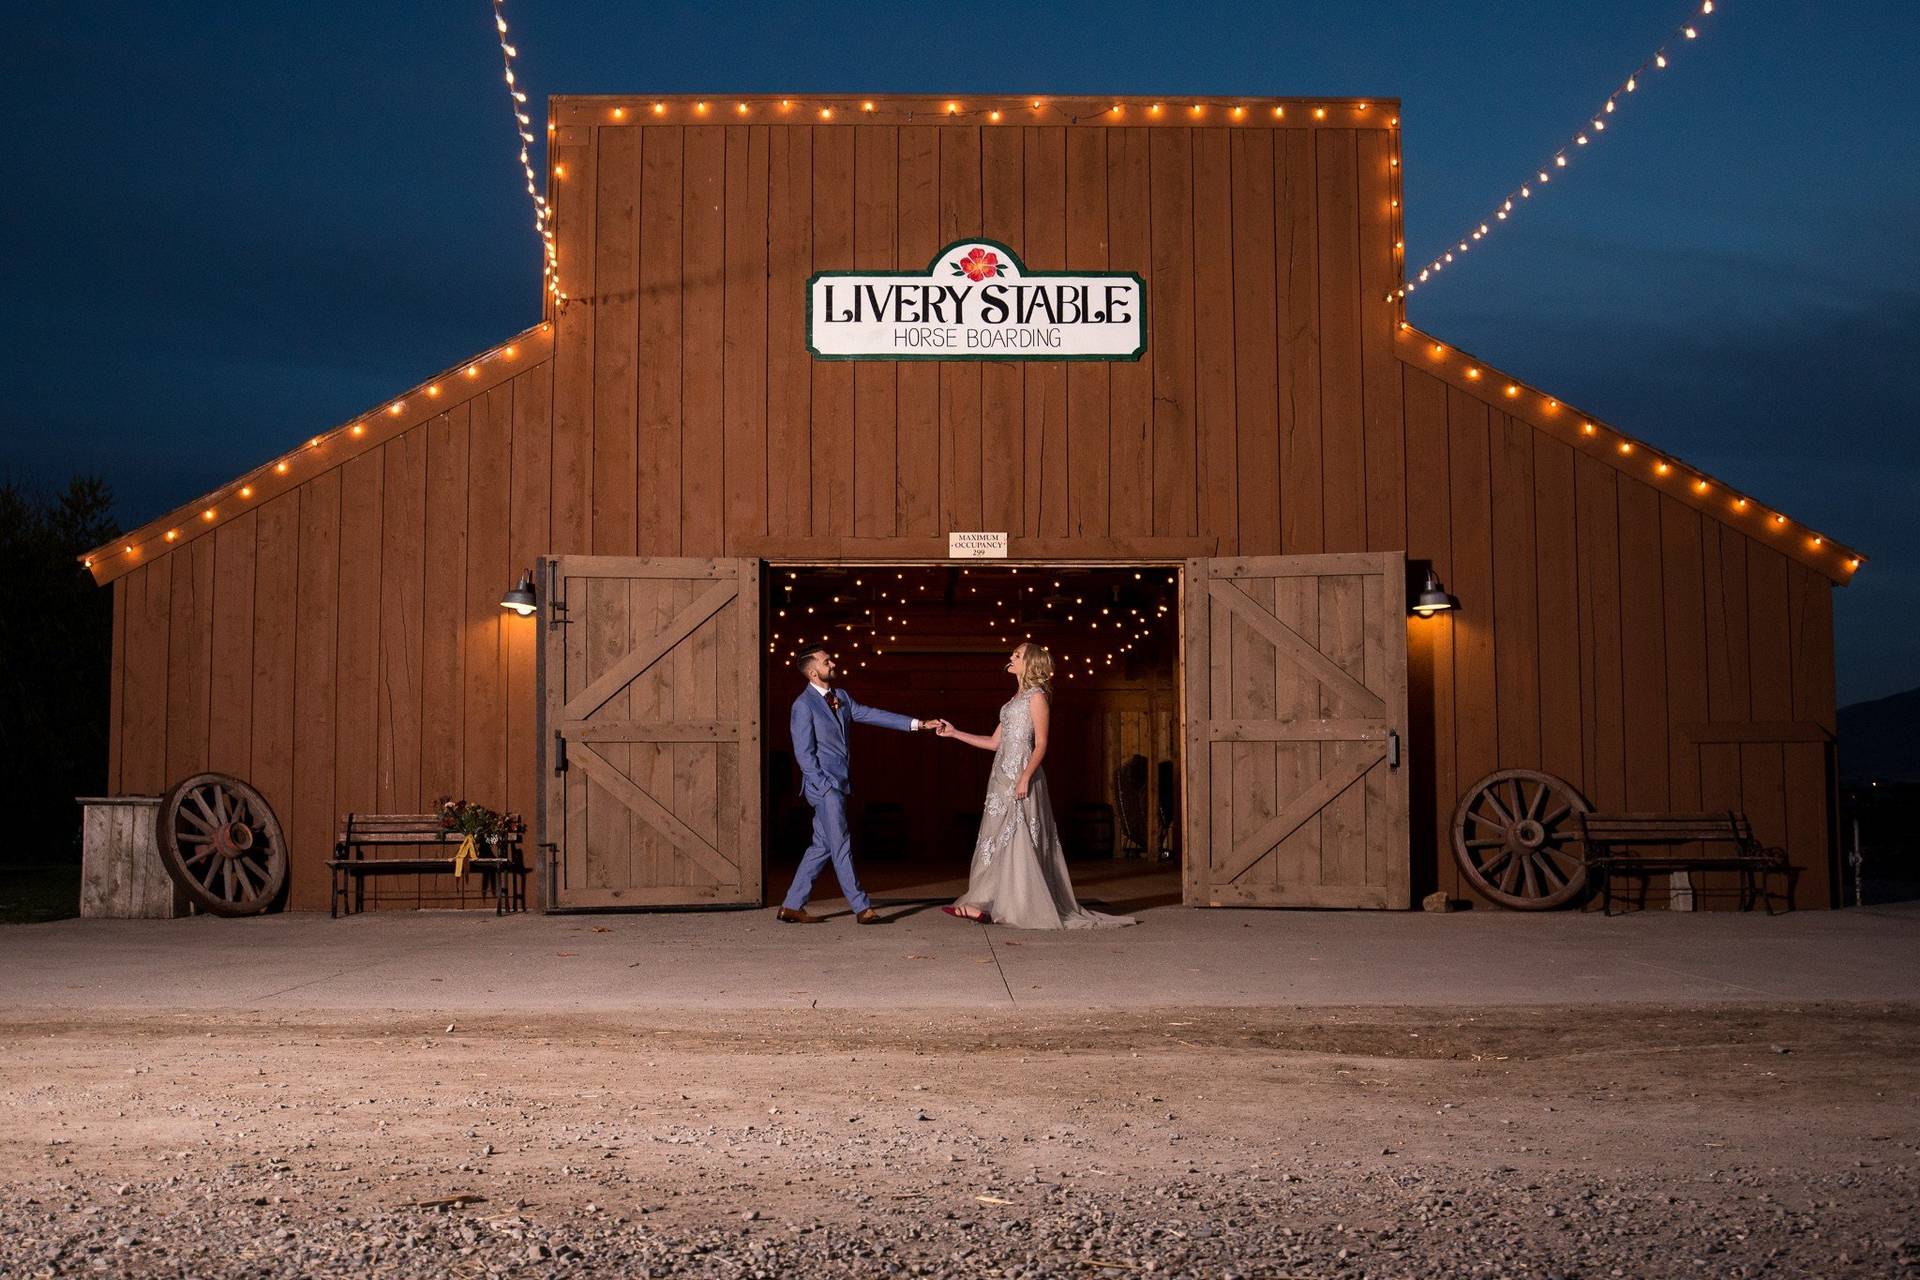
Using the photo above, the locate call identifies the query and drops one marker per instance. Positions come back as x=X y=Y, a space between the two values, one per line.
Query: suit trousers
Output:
x=831 y=840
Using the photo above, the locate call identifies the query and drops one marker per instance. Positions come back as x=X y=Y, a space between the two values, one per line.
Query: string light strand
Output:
x=1589 y=133
x=1330 y=112
x=523 y=125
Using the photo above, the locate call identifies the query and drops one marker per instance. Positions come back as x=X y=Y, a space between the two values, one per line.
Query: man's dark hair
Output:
x=802 y=658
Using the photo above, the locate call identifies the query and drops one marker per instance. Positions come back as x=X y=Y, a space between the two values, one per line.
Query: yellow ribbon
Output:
x=467 y=852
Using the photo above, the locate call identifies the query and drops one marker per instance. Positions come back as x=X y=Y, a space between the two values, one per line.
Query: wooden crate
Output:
x=121 y=875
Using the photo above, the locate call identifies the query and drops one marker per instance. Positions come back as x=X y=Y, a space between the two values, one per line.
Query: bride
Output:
x=1019 y=875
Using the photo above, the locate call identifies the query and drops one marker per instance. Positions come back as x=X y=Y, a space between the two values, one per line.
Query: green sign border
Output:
x=1025 y=274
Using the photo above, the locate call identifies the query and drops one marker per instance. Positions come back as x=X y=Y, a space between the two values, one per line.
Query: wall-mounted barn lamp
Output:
x=520 y=599
x=1433 y=598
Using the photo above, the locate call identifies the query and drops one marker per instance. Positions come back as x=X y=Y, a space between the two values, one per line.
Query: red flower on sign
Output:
x=979 y=264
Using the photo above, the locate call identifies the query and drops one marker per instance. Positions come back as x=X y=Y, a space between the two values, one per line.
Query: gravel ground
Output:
x=1634 y=1142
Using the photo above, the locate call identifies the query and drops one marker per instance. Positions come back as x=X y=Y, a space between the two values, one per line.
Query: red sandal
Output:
x=959 y=914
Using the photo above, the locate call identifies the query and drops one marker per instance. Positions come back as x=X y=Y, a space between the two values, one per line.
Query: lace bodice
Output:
x=1016 y=739
x=1016 y=748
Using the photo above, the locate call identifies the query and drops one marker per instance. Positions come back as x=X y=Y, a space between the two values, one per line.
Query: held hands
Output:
x=940 y=727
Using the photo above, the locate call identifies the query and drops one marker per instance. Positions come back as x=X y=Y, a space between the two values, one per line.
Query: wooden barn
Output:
x=925 y=377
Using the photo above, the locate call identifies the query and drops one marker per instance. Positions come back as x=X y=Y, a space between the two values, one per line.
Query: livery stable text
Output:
x=975 y=301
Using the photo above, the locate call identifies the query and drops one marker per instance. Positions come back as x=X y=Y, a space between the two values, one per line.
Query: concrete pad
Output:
x=1177 y=957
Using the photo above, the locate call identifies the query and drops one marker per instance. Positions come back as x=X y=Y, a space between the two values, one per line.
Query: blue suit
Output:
x=821 y=749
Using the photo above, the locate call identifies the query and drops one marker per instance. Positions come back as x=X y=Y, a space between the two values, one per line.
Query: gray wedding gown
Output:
x=1019 y=875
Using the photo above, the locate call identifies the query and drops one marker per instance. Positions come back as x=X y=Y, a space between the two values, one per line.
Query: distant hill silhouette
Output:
x=1877 y=739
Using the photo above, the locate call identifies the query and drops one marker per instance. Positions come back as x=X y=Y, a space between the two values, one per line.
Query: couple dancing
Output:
x=1019 y=874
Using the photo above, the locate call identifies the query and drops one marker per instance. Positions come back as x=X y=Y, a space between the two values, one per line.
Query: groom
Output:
x=821 y=717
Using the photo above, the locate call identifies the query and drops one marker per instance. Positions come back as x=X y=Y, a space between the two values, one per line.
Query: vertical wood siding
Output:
x=341 y=645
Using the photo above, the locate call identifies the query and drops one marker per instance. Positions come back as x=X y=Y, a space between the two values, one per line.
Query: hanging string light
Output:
x=523 y=125
x=863 y=627
x=1332 y=112
x=1591 y=132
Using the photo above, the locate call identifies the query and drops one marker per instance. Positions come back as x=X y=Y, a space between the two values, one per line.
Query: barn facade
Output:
x=1263 y=484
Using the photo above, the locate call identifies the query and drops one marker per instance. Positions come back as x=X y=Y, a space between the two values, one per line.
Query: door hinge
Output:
x=559 y=752
x=1393 y=748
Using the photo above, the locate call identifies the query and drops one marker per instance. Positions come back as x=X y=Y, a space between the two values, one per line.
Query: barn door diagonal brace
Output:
x=650 y=651
x=1291 y=818
x=1299 y=652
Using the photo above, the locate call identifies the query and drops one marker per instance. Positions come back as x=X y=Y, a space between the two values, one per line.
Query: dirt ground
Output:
x=1613 y=1141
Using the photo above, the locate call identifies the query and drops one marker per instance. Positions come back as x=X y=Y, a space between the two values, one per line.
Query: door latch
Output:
x=1393 y=748
x=559 y=753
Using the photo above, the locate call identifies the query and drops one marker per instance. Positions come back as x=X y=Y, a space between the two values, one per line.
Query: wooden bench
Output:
x=1643 y=844
x=388 y=835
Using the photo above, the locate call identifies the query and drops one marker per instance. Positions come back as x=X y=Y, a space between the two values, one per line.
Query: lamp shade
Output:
x=1433 y=598
x=520 y=599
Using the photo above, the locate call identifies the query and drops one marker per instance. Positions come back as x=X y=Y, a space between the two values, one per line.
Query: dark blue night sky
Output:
x=230 y=225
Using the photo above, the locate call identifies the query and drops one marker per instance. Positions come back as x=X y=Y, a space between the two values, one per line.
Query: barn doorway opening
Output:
x=932 y=640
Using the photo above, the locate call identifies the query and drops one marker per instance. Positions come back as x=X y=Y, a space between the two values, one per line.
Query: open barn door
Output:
x=651 y=674
x=1296 y=721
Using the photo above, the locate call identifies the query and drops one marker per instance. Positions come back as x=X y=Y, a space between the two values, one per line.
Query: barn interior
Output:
x=933 y=641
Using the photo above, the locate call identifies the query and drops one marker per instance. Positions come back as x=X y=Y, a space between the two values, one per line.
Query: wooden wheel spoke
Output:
x=1486 y=842
x=206 y=851
x=1474 y=815
x=1557 y=814
x=1562 y=857
x=1493 y=864
x=1494 y=800
x=220 y=804
x=1549 y=872
x=206 y=810
x=1539 y=799
x=1511 y=876
x=249 y=885
x=205 y=828
x=1533 y=876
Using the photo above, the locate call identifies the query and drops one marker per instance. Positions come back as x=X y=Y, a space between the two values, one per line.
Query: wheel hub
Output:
x=232 y=839
x=1529 y=834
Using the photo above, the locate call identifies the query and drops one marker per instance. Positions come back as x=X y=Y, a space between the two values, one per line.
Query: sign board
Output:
x=975 y=301
x=976 y=546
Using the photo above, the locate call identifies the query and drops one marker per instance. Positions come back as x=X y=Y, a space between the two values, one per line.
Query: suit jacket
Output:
x=820 y=744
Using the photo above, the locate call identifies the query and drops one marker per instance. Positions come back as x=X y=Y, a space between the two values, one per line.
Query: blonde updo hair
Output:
x=1039 y=672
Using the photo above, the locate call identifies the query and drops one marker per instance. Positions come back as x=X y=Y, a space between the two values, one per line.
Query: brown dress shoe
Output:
x=869 y=916
x=787 y=915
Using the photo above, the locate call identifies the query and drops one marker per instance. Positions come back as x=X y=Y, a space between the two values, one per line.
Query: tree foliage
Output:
x=56 y=645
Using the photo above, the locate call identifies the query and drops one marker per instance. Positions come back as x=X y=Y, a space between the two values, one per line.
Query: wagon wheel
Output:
x=1512 y=835
x=222 y=845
